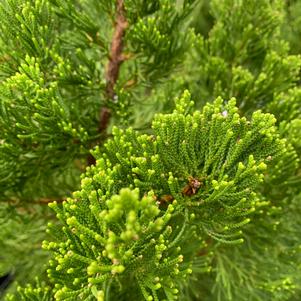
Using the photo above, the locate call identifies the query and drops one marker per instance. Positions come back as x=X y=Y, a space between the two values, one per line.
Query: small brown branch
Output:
x=29 y=207
x=116 y=57
x=41 y=201
x=205 y=250
x=105 y=115
x=46 y=201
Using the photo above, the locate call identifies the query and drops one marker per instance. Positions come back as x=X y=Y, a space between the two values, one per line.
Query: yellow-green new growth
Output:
x=40 y=292
x=127 y=238
x=152 y=201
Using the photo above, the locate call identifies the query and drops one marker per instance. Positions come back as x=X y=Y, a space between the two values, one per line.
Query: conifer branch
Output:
x=42 y=201
x=46 y=201
x=116 y=57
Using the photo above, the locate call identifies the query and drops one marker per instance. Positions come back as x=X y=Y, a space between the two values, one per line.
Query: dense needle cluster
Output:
x=110 y=234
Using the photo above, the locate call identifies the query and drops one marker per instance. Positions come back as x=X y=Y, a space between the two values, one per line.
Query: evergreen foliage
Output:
x=21 y=231
x=152 y=196
x=244 y=55
x=105 y=234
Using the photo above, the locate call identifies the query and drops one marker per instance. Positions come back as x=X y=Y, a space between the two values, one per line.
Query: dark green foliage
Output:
x=157 y=40
x=243 y=56
x=291 y=30
x=269 y=270
x=21 y=232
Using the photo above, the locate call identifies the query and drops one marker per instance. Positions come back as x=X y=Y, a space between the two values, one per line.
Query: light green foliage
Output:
x=128 y=240
x=36 y=125
x=108 y=238
x=26 y=29
x=40 y=292
x=40 y=121
x=226 y=153
x=244 y=56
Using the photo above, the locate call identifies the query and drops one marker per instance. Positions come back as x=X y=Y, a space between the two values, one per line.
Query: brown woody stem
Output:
x=116 y=57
